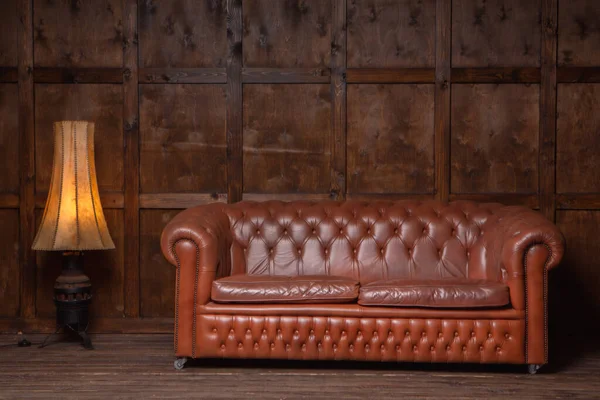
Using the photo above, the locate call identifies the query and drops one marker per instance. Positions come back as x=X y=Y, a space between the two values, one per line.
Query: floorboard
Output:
x=141 y=367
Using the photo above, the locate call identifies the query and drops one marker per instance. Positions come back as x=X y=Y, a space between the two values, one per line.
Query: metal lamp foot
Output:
x=180 y=363
x=533 y=368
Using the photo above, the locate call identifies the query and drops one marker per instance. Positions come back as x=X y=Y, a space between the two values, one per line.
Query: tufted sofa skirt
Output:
x=372 y=339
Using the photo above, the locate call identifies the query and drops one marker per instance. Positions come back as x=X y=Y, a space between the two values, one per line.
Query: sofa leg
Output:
x=533 y=368
x=180 y=363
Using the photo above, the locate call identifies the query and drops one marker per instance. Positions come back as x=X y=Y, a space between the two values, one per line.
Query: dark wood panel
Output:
x=179 y=200
x=443 y=89
x=390 y=75
x=183 y=33
x=389 y=196
x=183 y=75
x=78 y=75
x=495 y=134
x=294 y=33
x=9 y=138
x=98 y=324
x=391 y=33
x=578 y=139
x=496 y=75
x=287 y=138
x=496 y=33
x=578 y=74
x=579 y=33
x=8 y=33
x=157 y=276
x=390 y=139
x=9 y=200
x=78 y=33
x=104 y=267
x=285 y=75
x=101 y=104
x=9 y=263
x=528 y=200
x=9 y=74
x=289 y=196
x=578 y=201
x=182 y=138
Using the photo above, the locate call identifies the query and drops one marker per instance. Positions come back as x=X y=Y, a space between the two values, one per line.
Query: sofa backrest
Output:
x=365 y=240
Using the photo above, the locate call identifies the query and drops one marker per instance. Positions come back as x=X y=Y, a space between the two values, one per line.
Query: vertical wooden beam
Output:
x=547 y=157
x=443 y=49
x=26 y=159
x=235 y=140
x=338 y=98
x=132 y=158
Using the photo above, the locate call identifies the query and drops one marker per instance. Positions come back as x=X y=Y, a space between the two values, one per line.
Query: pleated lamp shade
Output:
x=73 y=218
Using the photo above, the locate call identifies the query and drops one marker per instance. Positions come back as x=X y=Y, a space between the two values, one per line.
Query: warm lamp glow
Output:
x=73 y=218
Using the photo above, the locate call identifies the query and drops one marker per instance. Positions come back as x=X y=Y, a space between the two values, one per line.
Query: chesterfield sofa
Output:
x=458 y=282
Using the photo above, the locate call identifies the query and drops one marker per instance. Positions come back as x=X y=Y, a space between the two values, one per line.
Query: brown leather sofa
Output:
x=384 y=281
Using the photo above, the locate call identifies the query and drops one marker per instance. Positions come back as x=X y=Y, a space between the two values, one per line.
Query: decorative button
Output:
x=448 y=348
x=303 y=347
x=256 y=345
x=390 y=333
x=222 y=347
x=240 y=345
x=440 y=334
x=288 y=347
x=464 y=348
x=489 y=335
x=506 y=335
x=432 y=348
x=397 y=347
x=415 y=348
x=406 y=333
x=271 y=251
x=472 y=334
x=312 y=332
x=341 y=231
x=327 y=331
x=231 y=331
x=334 y=346
x=423 y=334
x=272 y=345
x=480 y=348
x=497 y=348
x=382 y=347
x=264 y=332
x=296 y=332
x=367 y=347
x=299 y=251
x=351 y=347
x=215 y=330
x=285 y=231
x=258 y=231
x=455 y=334
x=396 y=230
x=248 y=331
x=354 y=251
x=381 y=251
x=279 y=331
x=343 y=333
x=314 y=231
x=326 y=251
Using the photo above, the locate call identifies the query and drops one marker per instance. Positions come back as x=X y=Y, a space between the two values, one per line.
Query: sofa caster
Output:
x=533 y=368
x=180 y=363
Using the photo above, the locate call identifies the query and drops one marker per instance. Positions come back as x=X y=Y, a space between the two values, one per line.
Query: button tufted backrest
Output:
x=365 y=240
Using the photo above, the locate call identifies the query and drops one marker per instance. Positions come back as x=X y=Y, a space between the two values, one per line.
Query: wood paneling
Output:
x=495 y=131
x=287 y=137
x=9 y=138
x=102 y=104
x=390 y=139
x=9 y=263
x=578 y=138
x=78 y=33
x=293 y=33
x=182 y=33
x=157 y=276
x=8 y=33
x=105 y=269
x=391 y=33
x=182 y=139
x=495 y=33
x=579 y=33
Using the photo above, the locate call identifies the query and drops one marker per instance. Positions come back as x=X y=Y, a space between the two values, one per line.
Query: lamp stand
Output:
x=72 y=297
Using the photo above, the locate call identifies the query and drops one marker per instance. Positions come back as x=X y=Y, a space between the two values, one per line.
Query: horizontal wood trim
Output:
x=179 y=200
x=9 y=200
x=104 y=325
x=578 y=75
x=79 y=75
x=108 y=200
x=389 y=196
x=287 y=75
x=496 y=75
x=8 y=74
x=390 y=75
x=529 y=200
x=288 y=196
x=578 y=201
x=182 y=75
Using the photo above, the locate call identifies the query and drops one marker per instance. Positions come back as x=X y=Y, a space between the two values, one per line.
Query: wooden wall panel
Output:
x=390 y=139
x=579 y=33
x=9 y=263
x=294 y=33
x=287 y=138
x=105 y=269
x=182 y=139
x=495 y=139
x=157 y=276
x=578 y=138
x=78 y=33
x=102 y=104
x=391 y=33
x=8 y=33
x=9 y=138
x=182 y=33
x=496 y=33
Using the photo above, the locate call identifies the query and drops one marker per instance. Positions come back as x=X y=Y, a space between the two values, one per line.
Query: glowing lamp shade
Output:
x=73 y=217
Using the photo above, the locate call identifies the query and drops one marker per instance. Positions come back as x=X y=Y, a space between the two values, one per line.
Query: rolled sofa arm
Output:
x=197 y=242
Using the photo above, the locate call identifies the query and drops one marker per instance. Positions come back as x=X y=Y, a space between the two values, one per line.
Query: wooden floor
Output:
x=141 y=367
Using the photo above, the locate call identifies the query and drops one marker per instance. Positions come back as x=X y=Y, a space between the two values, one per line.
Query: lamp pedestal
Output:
x=72 y=297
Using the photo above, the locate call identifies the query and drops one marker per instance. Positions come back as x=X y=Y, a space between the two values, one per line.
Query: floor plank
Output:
x=140 y=366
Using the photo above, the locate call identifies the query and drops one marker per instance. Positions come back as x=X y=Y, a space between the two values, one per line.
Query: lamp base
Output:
x=72 y=297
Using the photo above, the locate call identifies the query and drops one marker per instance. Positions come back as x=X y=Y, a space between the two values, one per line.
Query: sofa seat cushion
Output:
x=284 y=289
x=444 y=293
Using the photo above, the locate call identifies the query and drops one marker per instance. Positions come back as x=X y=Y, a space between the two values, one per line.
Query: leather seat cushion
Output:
x=284 y=289
x=444 y=293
